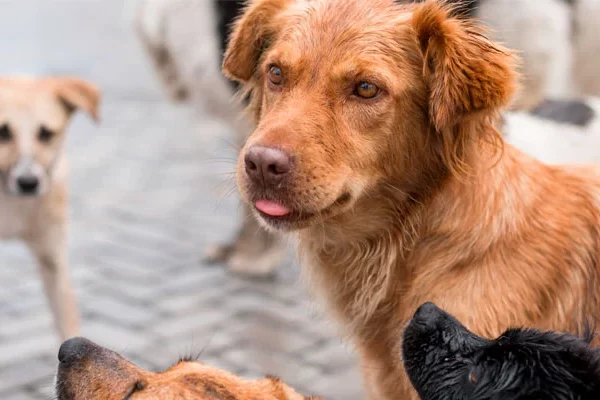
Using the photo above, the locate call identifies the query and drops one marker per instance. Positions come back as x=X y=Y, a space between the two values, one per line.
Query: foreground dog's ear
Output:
x=250 y=37
x=467 y=74
x=77 y=93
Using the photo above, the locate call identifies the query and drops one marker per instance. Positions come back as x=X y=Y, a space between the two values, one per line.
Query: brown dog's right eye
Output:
x=275 y=75
x=5 y=133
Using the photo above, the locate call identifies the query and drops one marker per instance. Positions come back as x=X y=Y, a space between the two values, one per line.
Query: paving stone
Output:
x=331 y=355
x=200 y=322
x=115 y=337
x=22 y=395
x=43 y=342
x=25 y=371
x=113 y=308
x=25 y=325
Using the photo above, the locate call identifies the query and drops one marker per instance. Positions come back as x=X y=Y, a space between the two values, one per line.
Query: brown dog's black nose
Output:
x=266 y=165
x=75 y=349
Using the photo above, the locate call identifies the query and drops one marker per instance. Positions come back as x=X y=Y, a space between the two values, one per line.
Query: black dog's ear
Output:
x=249 y=37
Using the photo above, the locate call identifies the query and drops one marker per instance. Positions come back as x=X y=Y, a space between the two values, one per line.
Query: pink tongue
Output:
x=272 y=208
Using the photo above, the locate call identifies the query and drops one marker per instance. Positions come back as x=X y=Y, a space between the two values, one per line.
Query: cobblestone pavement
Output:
x=149 y=192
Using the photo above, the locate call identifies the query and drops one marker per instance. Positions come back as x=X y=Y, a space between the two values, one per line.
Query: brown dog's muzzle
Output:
x=88 y=371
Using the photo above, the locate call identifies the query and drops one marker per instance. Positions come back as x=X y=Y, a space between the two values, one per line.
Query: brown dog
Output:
x=34 y=114
x=375 y=139
x=89 y=372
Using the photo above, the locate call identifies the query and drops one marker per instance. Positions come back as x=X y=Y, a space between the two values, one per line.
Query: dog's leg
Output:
x=167 y=72
x=162 y=60
x=254 y=251
x=50 y=251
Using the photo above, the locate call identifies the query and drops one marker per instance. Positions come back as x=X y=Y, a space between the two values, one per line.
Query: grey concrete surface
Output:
x=150 y=188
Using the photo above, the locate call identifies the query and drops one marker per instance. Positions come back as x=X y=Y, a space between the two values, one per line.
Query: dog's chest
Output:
x=15 y=217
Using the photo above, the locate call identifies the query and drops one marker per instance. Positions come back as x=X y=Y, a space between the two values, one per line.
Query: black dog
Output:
x=445 y=361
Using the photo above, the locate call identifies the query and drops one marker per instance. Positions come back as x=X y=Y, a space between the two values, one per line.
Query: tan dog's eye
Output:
x=45 y=135
x=366 y=90
x=5 y=133
x=275 y=75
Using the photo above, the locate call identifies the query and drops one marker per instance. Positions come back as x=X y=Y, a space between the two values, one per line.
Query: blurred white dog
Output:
x=557 y=131
x=558 y=41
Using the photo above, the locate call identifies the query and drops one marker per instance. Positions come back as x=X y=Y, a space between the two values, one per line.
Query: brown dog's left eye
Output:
x=275 y=75
x=45 y=135
x=366 y=90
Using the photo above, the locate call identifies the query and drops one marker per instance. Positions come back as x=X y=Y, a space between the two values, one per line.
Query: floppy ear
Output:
x=466 y=73
x=77 y=93
x=250 y=36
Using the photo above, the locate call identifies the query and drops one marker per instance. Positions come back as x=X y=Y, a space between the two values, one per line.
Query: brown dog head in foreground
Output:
x=33 y=116
x=87 y=371
x=351 y=94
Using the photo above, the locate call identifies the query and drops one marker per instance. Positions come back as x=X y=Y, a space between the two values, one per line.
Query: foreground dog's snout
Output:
x=427 y=314
x=75 y=349
x=266 y=165
x=28 y=184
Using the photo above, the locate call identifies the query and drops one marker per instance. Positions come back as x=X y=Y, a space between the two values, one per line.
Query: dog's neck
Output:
x=374 y=249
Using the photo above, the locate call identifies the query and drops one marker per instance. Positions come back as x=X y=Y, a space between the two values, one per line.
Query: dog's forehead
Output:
x=323 y=24
x=28 y=102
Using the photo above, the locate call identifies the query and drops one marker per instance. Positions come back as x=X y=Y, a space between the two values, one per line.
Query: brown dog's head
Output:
x=33 y=117
x=351 y=96
x=89 y=372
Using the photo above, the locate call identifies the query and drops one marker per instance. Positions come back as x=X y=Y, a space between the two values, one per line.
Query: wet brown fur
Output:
x=413 y=196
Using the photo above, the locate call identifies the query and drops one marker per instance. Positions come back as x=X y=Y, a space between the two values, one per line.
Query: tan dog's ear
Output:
x=466 y=73
x=77 y=93
x=249 y=38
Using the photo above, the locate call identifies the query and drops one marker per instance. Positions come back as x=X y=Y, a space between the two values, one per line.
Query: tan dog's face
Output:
x=341 y=91
x=33 y=117
x=89 y=372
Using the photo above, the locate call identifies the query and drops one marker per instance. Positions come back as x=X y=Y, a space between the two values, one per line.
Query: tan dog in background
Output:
x=87 y=371
x=33 y=177
x=376 y=141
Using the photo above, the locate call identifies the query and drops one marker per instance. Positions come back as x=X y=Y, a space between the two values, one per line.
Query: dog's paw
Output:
x=255 y=252
x=218 y=253
x=179 y=93
x=249 y=257
x=256 y=264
